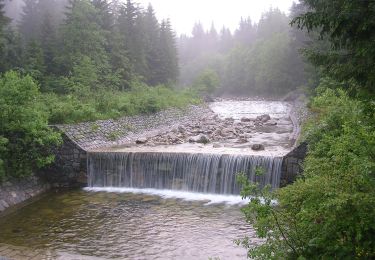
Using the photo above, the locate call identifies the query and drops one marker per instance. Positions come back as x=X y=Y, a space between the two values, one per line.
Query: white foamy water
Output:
x=250 y=109
x=173 y=194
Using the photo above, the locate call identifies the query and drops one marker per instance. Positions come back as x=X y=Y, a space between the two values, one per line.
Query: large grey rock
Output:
x=257 y=147
x=263 y=118
x=245 y=119
x=202 y=139
x=181 y=129
x=141 y=140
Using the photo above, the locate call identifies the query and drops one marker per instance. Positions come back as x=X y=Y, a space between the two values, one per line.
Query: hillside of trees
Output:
x=257 y=59
x=73 y=61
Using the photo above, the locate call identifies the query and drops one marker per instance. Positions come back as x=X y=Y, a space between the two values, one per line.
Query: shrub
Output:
x=329 y=212
x=25 y=137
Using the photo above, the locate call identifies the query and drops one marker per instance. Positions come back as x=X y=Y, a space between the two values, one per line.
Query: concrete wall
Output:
x=15 y=191
x=292 y=164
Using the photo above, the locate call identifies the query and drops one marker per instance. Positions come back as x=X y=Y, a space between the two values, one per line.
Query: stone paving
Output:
x=106 y=133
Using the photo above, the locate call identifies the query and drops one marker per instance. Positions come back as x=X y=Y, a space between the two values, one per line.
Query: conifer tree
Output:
x=33 y=62
x=48 y=43
x=30 y=23
x=82 y=36
x=246 y=33
x=152 y=34
x=169 y=69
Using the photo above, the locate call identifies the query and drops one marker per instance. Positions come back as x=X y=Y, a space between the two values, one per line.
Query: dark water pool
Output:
x=126 y=226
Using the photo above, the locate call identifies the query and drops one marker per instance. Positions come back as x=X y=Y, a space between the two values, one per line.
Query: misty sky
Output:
x=184 y=13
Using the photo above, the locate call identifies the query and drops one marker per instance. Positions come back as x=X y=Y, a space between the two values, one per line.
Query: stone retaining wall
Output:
x=70 y=166
x=13 y=192
x=292 y=164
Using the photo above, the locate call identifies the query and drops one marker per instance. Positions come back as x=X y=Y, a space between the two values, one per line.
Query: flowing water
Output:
x=129 y=224
x=250 y=109
x=196 y=172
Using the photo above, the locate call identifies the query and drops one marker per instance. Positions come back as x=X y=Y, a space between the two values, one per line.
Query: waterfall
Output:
x=196 y=172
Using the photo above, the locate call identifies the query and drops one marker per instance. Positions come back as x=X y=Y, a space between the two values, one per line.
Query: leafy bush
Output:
x=24 y=134
x=207 y=82
x=106 y=104
x=329 y=212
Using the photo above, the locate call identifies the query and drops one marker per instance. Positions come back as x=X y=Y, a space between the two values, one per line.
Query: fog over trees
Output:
x=125 y=38
x=257 y=58
x=115 y=41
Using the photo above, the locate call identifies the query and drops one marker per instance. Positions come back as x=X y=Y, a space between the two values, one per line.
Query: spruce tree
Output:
x=246 y=33
x=29 y=25
x=169 y=61
x=152 y=33
x=48 y=42
x=33 y=62
x=82 y=36
x=131 y=28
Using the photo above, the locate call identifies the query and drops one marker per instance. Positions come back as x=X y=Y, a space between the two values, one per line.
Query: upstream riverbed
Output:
x=125 y=224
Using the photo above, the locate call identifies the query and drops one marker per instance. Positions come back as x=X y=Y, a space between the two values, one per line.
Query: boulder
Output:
x=271 y=123
x=257 y=147
x=181 y=129
x=241 y=141
x=245 y=119
x=263 y=118
x=141 y=140
x=202 y=139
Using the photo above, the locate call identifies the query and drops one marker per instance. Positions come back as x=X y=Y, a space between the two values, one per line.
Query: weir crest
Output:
x=193 y=172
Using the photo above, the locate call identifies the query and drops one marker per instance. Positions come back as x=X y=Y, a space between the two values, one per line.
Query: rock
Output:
x=202 y=139
x=141 y=140
x=241 y=141
x=217 y=132
x=245 y=119
x=263 y=118
x=245 y=136
x=181 y=129
x=217 y=146
x=271 y=123
x=257 y=147
x=208 y=99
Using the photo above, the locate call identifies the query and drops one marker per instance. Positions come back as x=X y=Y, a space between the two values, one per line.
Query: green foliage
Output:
x=349 y=26
x=328 y=213
x=33 y=61
x=114 y=104
x=3 y=148
x=260 y=59
x=83 y=41
x=207 y=82
x=24 y=135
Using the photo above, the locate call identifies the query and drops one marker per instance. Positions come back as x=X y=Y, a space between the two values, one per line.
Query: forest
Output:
x=83 y=60
x=76 y=61
x=256 y=59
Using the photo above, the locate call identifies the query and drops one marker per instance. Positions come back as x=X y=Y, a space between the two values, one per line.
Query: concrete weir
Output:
x=200 y=149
